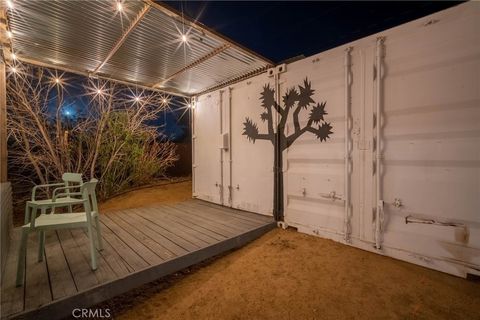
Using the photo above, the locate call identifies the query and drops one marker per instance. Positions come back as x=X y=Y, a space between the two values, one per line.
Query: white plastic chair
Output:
x=71 y=181
x=55 y=221
x=68 y=178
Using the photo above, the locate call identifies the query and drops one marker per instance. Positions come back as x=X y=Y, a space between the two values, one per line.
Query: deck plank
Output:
x=256 y=217
x=172 y=249
x=61 y=279
x=11 y=295
x=226 y=229
x=189 y=220
x=136 y=230
x=148 y=255
x=184 y=227
x=114 y=260
x=179 y=230
x=37 y=286
x=131 y=258
x=224 y=213
x=186 y=245
x=79 y=266
x=103 y=273
x=205 y=211
x=244 y=215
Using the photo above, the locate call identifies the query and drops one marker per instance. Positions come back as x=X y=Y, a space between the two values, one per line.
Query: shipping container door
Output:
x=206 y=148
x=252 y=160
x=314 y=170
x=431 y=141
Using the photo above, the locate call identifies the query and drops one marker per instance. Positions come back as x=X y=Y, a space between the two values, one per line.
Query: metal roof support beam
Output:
x=233 y=81
x=124 y=37
x=194 y=63
x=87 y=74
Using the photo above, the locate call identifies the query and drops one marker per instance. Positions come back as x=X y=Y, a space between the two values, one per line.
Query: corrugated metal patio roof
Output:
x=142 y=43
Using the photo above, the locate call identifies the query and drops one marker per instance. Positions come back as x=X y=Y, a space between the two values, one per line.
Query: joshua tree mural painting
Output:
x=296 y=100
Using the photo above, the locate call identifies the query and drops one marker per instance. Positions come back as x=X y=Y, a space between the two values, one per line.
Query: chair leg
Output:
x=41 y=245
x=93 y=251
x=99 y=233
x=21 y=257
x=28 y=209
x=41 y=240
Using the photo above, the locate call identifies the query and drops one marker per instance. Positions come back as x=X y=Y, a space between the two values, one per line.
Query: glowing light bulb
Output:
x=57 y=80
x=9 y=34
x=14 y=70
x=184 y=37
x=119 y=6
x=99 y=91
x=137 y=99
x=164 y=100
x=189 y=105
x=14 y=56
x=10 y=4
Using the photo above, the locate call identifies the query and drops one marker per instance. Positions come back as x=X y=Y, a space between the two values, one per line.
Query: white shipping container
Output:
x=404 y=107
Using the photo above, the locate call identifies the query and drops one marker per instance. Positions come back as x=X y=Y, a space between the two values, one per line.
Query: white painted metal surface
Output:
x=241 y=175
x=206 y=147
x=414 y=104
x=252 y=163
x=431 y=138
x=314 y=171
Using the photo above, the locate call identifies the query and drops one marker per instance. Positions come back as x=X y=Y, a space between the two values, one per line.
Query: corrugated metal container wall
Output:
x=228 y=168
x=206 y=148
x=411 y=98
x=314 y=169
x=431 y=140
x=252 y=163
x=427 y=100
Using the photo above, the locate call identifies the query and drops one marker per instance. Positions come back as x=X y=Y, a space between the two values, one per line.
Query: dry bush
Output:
x=111 y=139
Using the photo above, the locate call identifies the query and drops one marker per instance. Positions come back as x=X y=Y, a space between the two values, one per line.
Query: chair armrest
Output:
x=34 y=190
x=64 y=188
x=65 y=194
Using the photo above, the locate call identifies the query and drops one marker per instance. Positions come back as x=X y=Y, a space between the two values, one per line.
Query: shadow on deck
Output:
x=140 y=246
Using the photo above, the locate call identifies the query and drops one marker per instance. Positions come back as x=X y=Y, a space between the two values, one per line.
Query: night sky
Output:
x=282 y=30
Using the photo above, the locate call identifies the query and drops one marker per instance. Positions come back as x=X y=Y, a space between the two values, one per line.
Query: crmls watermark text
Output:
x=83 y=313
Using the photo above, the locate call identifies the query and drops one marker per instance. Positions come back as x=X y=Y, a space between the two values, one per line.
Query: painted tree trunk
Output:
x=278 y=181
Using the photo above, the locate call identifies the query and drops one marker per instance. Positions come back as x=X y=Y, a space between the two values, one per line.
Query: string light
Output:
x=184 y=38
x=57 y=80
x=14 y=70
x=119 y=6
x=14 y=56
x=99 y=91
x=10 y=4
x=164 y=100
x=9 y=34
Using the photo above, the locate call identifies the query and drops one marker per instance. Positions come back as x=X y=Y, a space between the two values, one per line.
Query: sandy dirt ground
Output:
x=167 y=193
x=289 y=275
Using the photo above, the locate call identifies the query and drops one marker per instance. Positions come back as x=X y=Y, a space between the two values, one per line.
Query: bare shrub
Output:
x=111 y=139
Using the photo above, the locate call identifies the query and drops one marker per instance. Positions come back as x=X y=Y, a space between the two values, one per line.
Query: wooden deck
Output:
x=140 y=245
